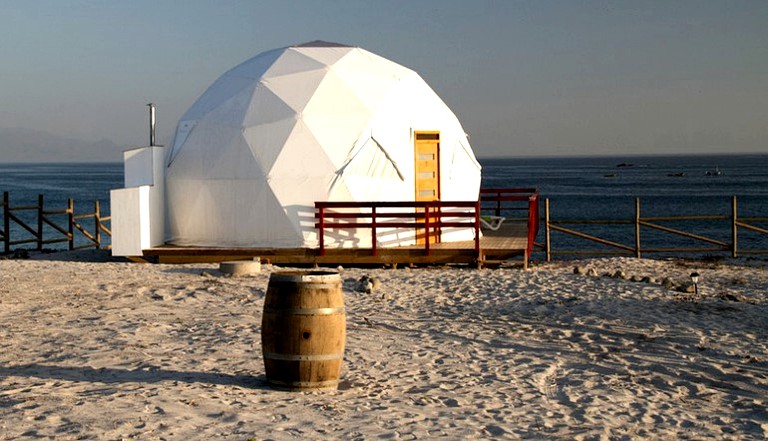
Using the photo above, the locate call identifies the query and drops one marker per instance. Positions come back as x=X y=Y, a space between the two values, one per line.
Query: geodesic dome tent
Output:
x=291 y=126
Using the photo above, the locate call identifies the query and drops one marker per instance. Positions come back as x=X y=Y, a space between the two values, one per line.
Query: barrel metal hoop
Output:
x=305 y=384
x=296 y=357
x=313 y=286
x=306 y=311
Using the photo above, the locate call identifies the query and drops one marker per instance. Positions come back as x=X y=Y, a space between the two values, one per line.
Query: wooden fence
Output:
x=733 y=222
x=64 y=225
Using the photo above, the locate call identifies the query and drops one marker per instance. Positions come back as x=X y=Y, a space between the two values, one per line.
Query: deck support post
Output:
x=40 y=214
x=71 y=223
x=97 y=224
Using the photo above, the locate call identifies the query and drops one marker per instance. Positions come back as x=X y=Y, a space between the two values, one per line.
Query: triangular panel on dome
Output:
x=290 y=62
x=302 y=155
x=206 y=142
x=266 y=141
x=372 y=175
x=297 y=196
x=266 y=106
x=276 y=226
x=254 y=68
x=237 y=161
x=369 y=84
x=230 y=112
x=328 y=55
x=296 y=90
x=335 y=115
x=222 y=90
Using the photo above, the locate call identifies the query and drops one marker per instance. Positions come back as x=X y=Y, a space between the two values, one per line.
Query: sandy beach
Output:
x=92 y=348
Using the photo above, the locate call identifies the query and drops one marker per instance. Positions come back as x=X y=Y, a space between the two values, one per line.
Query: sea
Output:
x=578 y=188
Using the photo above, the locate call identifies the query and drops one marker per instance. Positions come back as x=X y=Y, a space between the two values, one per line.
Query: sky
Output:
x=525 y=78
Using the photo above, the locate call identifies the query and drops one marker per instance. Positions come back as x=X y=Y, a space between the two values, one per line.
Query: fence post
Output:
x=71 y=223
x=97 y=224
x=547 y=230
x=7 y=222
x=39 y=222
x=734 y=227
x=637 y=227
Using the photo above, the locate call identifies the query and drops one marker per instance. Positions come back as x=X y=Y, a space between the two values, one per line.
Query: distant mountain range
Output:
x=29 y=145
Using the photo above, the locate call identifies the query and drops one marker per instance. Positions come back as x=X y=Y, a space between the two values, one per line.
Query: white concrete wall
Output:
x=138 y=211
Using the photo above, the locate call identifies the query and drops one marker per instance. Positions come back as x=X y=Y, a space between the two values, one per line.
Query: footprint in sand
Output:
x=548 y=385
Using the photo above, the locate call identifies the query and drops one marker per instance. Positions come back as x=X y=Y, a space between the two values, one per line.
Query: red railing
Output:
x=502 y=201
x=430 y=217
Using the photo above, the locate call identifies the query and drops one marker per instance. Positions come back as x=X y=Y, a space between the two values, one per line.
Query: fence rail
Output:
x=655 y=223
x=64 y=225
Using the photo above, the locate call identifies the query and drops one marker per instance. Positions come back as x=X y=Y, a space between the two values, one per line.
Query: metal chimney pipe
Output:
x=151 y=124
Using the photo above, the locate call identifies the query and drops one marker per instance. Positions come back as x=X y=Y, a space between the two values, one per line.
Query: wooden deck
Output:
x=510 y=241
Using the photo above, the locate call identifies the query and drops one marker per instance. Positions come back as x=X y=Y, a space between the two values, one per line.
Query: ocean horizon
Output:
x=600 y=187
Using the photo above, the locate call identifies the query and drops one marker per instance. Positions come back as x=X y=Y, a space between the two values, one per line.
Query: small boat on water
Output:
x=715 y=172
x=676 y=175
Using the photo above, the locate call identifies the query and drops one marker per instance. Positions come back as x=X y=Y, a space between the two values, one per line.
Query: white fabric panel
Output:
x=328 y=56
x=231 y=111
x=335 y=116
x=183 y=129
x=236 y=163
x=266 y=141
x=254 y=68
x=222 y=90
x=370 y=88
x=296 y=90
x=302 y=156
x=266 y=107
x=292 y=62
x=382 y=64
x=199 y=217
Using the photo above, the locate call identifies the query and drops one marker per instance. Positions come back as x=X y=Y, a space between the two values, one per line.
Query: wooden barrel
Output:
x=303 y=330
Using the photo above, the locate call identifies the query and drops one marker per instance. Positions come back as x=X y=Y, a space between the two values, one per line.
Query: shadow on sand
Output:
x=141 y=375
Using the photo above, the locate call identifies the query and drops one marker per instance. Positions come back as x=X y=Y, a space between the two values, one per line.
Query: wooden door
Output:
x=427 y=171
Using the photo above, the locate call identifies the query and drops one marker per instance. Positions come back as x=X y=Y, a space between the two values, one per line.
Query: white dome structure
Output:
x=313 y=122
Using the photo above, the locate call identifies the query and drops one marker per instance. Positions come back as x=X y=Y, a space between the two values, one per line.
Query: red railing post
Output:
x=373 y=229
x=426 y=227
x=533 y=221
x=477 y=228
x=321 y=228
